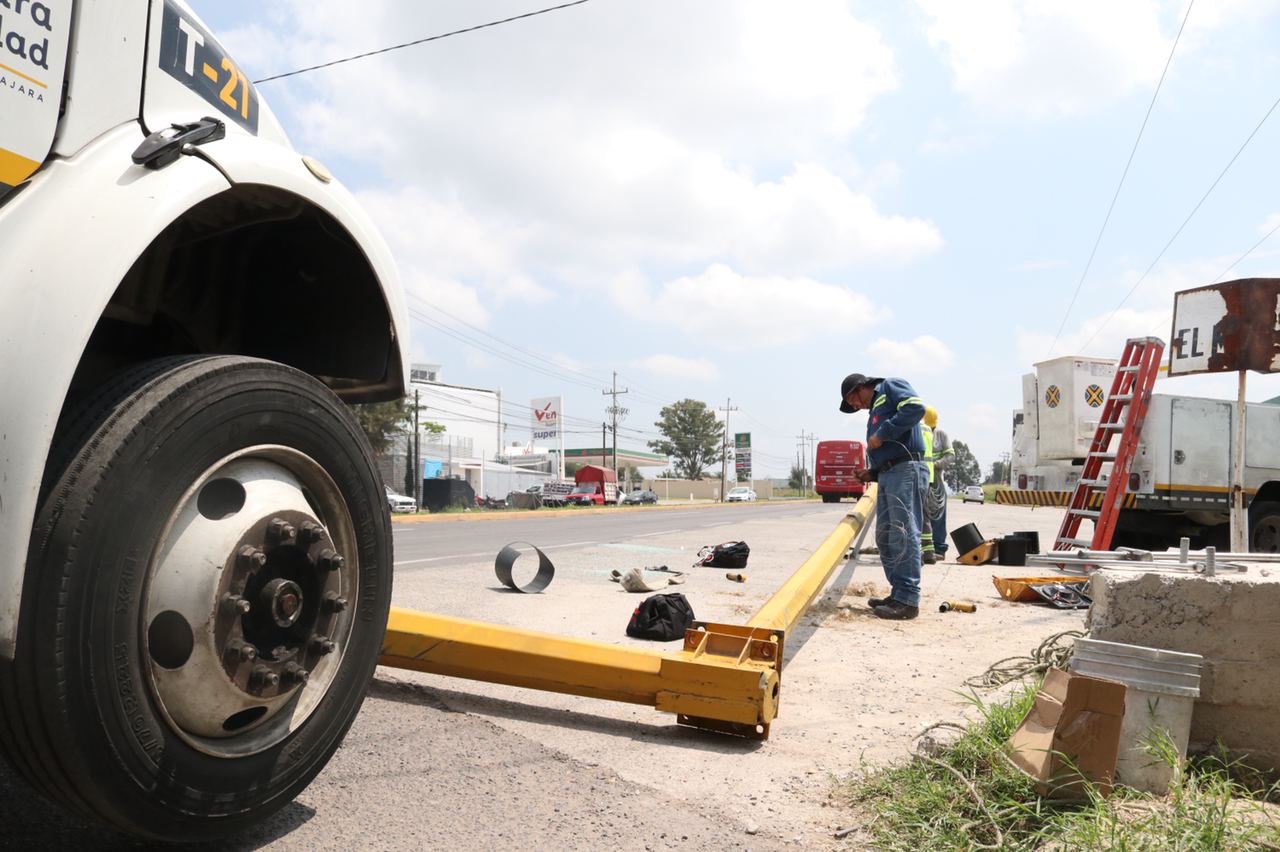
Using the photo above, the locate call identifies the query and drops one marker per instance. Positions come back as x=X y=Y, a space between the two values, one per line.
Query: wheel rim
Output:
x=246 y=617
x=1266 y=535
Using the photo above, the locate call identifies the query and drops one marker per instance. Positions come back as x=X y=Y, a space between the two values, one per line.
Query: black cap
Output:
x=852 y=381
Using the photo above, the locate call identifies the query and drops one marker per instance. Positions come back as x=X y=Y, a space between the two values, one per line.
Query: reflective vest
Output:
x=927 y=434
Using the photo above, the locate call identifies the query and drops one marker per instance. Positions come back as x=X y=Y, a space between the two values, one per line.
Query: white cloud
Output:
x=604 y=137
x=734 y=311
x=921 y=356
x=677 y=367
x=1050 y=57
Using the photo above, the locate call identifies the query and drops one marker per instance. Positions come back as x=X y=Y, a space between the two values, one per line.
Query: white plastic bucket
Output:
x=1161 y=688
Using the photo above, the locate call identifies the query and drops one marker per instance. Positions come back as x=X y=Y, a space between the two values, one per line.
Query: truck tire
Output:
x=205 y=597
x=1264 y=527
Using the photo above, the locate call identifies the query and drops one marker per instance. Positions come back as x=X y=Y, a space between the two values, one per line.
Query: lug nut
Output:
x=235 y=605
x=310 y=532
x=281 y=531
x=263 y=678
x=294 y=673
x=240 y=652
x=333 y=602
x=322 y=645
x=330 y=561
x=251 y=557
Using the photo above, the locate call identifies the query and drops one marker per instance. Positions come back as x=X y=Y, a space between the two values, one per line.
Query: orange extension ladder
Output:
x=1122 y=414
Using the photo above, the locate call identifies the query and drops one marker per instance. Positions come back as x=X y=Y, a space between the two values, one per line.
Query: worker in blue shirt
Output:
x=894 y=460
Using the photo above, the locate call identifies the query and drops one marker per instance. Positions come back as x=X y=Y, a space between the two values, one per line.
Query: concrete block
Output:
x=1243 y=684
x=1247 y=732
x=1233 y=621
x=1187 y=613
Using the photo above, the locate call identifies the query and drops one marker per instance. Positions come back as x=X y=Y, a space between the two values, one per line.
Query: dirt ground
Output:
x=855 y=689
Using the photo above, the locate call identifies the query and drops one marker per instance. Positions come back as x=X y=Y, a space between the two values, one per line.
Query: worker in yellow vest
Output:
x=939 y=456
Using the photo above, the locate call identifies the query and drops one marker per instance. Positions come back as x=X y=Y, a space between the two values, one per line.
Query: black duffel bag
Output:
x=663 y=618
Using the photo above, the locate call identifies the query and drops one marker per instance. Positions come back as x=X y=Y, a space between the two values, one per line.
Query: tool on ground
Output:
x=506 y=561
x=1122 y=414
x=634 y=579
x=957 y=606
x=736 y=577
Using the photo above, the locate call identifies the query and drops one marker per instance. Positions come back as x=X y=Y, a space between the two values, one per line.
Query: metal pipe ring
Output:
x=507 y=559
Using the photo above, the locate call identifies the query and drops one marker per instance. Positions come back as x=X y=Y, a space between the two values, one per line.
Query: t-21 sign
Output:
x=1224 y=328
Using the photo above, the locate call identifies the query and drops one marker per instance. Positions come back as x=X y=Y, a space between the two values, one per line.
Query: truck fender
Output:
x=70 y=236
x=249 y=160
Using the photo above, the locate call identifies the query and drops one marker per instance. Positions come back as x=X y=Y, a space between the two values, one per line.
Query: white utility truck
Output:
x=1180 y=478
x=195 y=552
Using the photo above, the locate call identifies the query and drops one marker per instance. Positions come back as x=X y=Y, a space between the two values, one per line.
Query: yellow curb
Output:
x=499 y=514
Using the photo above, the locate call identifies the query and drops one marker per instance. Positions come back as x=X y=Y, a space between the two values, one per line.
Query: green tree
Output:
x=381 y=421
x=692 y=437
x=799 y=478
x=999 y=473
x=965 y=470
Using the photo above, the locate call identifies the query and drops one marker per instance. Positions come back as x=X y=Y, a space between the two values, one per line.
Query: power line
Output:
x=1190 y=215
x=1268 y=236
x=417 y=41
x=1098 y=240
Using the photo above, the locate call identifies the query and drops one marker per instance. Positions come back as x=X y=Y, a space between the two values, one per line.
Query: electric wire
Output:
x=1234 y=263
x=416 y=42
x=1112 y=206
x=1185 y=221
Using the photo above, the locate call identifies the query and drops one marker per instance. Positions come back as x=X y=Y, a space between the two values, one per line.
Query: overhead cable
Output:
x=1115 y=196
x=417 y=41
x=1193 y=212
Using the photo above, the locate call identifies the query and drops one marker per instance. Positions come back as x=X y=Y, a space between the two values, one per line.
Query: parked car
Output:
x=973 y=493
x=399 y=502
x=741 y=494
x=637 y=497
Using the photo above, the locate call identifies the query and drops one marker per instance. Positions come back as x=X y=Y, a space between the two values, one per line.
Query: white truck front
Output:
x=195 y=553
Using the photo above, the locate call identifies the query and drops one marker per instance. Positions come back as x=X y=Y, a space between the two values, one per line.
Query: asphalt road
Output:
x=416 y=772
x=438 y=542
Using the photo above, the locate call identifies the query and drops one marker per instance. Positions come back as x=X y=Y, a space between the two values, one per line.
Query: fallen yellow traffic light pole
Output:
x=727 y=677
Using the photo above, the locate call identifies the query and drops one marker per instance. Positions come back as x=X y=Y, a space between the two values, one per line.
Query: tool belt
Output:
x=892 y=463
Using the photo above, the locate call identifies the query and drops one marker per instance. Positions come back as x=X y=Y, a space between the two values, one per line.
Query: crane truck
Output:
x=1179 y=480
x=195 y=551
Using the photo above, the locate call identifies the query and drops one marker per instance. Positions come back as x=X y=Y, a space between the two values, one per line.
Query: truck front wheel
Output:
x=205 y=598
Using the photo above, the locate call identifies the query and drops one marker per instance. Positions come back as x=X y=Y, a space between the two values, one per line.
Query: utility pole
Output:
x=604 y=444
x=804 y=450
x=724 y=451
x=501 y=448
x=614 y=410
x=417 y=453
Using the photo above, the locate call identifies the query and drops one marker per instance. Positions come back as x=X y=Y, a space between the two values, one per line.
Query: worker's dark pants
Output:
x=899 y=517
x=940 y=528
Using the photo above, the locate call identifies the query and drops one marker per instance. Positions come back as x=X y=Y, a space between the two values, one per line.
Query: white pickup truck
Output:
x=195 y=553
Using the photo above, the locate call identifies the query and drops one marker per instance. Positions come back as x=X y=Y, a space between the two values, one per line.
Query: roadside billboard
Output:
x=545 y=419
x=1227 y=327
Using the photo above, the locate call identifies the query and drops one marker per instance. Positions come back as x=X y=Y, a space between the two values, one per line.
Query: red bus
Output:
x=836 y=467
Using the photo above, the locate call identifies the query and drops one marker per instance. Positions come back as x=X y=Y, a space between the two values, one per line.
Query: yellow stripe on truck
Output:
x=15 y=168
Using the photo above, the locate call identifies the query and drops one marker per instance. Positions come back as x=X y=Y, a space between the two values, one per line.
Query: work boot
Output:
x=928 y=557
x=896 y=611
x=875 y=602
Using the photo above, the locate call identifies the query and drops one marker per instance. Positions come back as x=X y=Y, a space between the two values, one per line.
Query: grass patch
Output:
x=966 y=795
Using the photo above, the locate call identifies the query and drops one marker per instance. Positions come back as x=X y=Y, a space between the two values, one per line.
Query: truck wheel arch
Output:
x=254 y=270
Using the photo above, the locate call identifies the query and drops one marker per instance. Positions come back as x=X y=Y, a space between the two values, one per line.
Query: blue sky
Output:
x=744 y=199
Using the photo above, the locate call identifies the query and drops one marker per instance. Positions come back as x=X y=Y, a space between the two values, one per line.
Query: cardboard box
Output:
x=1071 y=733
